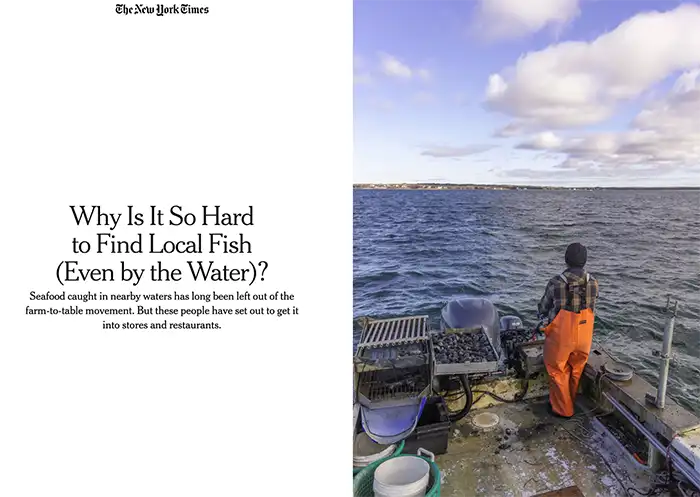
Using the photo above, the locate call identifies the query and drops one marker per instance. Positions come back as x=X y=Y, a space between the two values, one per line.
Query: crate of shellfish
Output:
x=465 y=351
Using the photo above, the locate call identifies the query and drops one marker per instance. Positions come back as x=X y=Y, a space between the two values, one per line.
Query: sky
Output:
x=536 y=92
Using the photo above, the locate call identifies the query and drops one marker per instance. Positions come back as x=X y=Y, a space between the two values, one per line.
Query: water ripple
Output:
x=415 y=250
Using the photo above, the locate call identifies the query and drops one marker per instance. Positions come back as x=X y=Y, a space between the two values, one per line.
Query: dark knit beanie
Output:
x=576 y=255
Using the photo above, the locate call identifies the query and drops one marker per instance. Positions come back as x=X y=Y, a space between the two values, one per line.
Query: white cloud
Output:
x=664 y=137
x=501 y=19
x=393 y=67
x=444 y=152
x=585 y=175
x=509 y=130
x=542 y=141
x=581 y=83
x=368 y=74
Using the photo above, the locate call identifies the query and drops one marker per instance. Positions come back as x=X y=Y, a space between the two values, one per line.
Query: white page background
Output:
x=248 y=105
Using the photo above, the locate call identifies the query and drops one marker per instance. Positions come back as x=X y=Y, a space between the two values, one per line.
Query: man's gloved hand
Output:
x=539 y=328
x=542 y=322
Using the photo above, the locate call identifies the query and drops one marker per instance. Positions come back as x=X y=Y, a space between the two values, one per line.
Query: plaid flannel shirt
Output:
x=583 y=295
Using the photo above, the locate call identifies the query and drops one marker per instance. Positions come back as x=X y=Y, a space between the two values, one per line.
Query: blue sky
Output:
x=561 y=92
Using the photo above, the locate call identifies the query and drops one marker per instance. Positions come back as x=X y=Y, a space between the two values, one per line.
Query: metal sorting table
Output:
x=468 y=367
x=393 y=361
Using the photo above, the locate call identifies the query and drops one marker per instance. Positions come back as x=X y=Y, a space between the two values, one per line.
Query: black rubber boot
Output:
x=556 y=415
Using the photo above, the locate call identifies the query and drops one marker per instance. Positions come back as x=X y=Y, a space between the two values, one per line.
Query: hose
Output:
x=464 y=380
x=517 y=398
x=469 y=393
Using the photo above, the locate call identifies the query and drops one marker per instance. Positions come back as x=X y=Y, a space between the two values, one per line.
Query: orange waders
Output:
x=566 y=347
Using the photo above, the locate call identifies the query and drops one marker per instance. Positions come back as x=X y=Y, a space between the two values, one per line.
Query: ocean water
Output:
x=415 y=250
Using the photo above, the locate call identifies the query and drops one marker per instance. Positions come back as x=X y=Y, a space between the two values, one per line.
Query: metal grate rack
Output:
x=395 y=331
x=393 y=387
x=393 y=344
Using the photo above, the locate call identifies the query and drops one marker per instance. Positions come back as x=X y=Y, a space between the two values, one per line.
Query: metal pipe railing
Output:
x=680 y=463
x=660 y=400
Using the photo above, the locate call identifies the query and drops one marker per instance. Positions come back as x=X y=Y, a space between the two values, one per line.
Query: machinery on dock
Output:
x=393 y=376
x=399 y=361
x=401 y=366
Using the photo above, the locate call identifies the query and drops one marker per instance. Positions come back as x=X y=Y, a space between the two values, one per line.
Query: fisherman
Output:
x=566 y=313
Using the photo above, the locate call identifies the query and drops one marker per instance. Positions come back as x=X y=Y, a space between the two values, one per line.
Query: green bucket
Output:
x=397 y=452
x=363 y=484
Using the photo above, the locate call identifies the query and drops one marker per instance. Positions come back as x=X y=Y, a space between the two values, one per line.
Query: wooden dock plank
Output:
x=563 y=492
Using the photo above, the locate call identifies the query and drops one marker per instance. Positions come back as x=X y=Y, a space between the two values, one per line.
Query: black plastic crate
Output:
x=433 y=430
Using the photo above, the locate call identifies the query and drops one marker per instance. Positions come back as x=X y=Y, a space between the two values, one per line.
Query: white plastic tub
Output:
x=403 y=476
x=367 y=451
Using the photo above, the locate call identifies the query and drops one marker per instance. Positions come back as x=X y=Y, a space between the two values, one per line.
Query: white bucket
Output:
x=403 y=476
x=362 y=443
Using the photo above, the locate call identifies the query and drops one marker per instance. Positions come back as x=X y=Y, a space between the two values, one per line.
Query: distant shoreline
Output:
x=464 y=186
